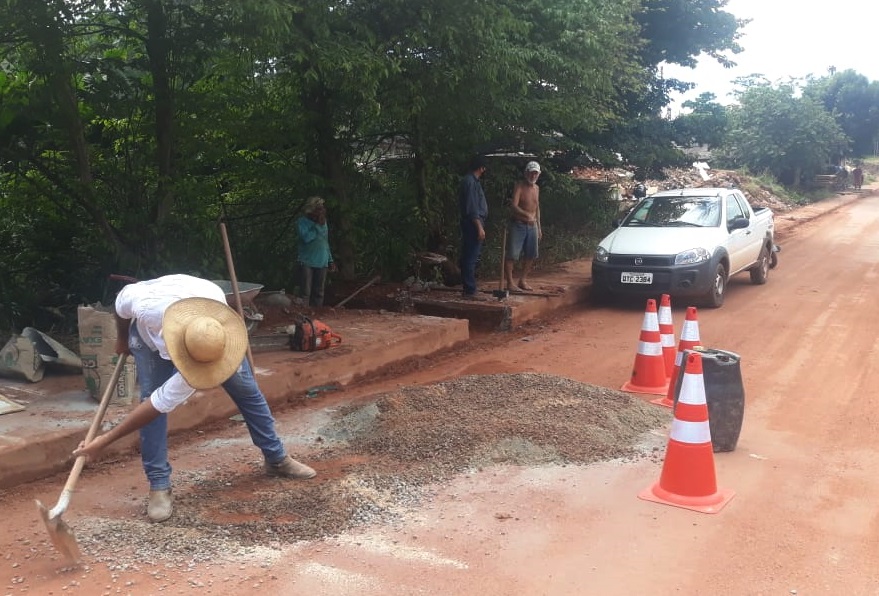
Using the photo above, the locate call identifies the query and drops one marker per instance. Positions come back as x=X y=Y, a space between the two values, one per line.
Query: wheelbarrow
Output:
x=247 y=292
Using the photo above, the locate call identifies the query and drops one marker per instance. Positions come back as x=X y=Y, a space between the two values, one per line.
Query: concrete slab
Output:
x=37 y=442
x=556 y=287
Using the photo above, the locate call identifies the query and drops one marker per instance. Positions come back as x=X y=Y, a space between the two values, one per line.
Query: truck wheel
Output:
x=760 y=271
x=715 y=295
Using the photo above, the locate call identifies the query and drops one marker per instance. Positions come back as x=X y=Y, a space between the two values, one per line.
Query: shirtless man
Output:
x=523 y=232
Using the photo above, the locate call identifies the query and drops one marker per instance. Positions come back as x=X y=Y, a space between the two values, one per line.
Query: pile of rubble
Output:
x=623 y=182
x=599 y=174
x=692 y=178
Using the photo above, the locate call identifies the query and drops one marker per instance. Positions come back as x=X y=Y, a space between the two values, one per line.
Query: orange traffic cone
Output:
x=667 y=335
x=648 y=374
x=688 y=478
x=689 y=340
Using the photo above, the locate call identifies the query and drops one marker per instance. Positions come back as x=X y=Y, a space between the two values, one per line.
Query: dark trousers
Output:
x=311 y=284
x=471 y=247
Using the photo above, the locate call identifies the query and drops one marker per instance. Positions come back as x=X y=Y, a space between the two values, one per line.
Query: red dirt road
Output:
x=803 y=521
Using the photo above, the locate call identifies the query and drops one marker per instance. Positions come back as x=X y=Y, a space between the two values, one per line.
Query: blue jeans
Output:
x=153 y=371
x=471 y=247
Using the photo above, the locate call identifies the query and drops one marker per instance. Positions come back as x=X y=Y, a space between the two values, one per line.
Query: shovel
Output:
x=59 y=532
x=501 y=293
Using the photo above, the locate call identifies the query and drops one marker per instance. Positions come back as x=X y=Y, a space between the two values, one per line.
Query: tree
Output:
x=501 y=77
x=678 y=31
x=705 y=124
x=775 y=131
x=671 y=31
x=854 y=103
x=129 y=127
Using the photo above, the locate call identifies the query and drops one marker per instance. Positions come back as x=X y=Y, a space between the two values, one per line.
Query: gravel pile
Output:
x=388 y=453
x=509 y=418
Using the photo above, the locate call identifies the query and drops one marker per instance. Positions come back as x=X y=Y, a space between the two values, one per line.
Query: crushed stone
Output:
x=389 y=452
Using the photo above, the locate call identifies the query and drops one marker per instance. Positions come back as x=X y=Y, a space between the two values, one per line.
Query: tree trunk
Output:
x=48 y=37
x=158 y=48
x=435 y=234
x=326 y=160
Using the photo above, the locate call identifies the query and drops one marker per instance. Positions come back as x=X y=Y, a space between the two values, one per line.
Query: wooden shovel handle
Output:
x=96 y=422
x=234 y=280
x=358 y=290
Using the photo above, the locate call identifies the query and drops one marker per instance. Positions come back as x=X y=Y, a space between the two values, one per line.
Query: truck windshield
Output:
x=702 y=212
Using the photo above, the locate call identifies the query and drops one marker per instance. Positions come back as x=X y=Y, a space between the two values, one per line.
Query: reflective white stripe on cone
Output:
x=667 y=335
x=688 y=477
x=689 y=340
x=648 y=373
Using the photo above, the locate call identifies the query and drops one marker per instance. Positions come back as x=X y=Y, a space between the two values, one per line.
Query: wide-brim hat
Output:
x=206 y=340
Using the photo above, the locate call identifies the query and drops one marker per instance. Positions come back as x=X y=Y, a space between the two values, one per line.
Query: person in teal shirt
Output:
x=315 y=258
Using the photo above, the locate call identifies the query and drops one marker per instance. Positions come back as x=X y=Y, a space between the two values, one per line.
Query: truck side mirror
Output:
x=738 y=223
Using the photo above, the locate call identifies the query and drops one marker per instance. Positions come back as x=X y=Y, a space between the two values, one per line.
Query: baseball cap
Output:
x=532 y=166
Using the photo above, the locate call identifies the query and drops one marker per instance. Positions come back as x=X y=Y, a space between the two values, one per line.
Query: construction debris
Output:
x=701 y=175
x=758 y=196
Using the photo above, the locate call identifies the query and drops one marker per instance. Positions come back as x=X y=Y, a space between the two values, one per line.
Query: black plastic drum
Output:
x=724 y=393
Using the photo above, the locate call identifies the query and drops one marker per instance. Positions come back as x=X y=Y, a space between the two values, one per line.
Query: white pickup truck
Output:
x=685 y=242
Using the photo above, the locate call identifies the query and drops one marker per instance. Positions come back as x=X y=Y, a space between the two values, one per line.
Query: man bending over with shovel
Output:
x=184 y=337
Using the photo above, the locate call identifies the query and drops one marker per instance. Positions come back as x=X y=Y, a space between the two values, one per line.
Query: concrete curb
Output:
x=37 y=442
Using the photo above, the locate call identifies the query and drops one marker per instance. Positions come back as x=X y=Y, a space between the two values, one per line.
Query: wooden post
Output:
x=235 y=291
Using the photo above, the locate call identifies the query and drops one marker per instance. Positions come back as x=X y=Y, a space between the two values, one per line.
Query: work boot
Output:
x=290 y=468
x=160 y=505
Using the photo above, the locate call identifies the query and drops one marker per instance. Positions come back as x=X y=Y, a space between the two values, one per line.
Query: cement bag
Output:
x=19 y=359
x=97 y=349
x=29 y=355
x=55 y=355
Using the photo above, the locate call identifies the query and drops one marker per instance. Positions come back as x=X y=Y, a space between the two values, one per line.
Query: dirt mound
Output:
x=389 y=452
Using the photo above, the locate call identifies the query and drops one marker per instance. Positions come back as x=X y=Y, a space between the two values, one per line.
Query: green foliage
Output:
x=677 y=31
x=574 y=216
x=757 y=184
x=705 y=124
x=853 y=102
x=130 y=128
x=775 y=131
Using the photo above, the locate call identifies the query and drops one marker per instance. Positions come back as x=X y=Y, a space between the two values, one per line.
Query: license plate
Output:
x=627 y=277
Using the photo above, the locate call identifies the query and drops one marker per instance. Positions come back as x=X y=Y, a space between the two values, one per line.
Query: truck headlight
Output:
x=689 y=257
x=601 y=255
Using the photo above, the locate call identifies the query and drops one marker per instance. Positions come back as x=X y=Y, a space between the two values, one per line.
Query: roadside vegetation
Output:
x=130 y=129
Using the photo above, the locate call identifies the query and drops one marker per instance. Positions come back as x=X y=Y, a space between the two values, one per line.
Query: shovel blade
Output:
x=60 y=534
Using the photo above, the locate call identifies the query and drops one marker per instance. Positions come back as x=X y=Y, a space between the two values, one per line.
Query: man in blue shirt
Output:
x=315 y=258
x=474 y=209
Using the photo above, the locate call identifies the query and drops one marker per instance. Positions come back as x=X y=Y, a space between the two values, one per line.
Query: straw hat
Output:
x=205 y=339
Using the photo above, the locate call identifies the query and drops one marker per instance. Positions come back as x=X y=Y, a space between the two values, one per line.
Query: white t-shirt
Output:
x=145 y=302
